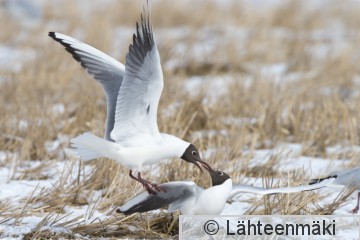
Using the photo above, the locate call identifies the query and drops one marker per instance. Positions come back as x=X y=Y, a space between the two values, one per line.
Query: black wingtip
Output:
x=124 y=212
x=318 y=180
x=52 y=35
x=143 y=40
x=314 y=181
x=67 y=46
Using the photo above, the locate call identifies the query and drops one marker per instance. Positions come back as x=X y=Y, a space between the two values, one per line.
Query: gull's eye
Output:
x=221 y=173
x=194 y=153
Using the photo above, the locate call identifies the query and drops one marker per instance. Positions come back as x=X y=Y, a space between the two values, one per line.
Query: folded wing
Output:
x=106 y=70
x=176 y=194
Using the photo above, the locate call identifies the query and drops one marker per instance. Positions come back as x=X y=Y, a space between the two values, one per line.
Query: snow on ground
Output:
x=12 y=59
x=292 y=160
x=216 y=87
x=208 y=39
x=16 y=191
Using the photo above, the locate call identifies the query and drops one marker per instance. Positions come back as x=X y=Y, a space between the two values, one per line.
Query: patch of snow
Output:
x=314 y=166
x=24 y=124
x=6 y=155
x=296 y=76
x=13 y=59
x=239 y=121
x=85 y=212
x=17 y=190
x=356 y=80
x=214 y=86
x=52 y=146
x=275 y=69
x=13 y=229
x=28 y=13
x=58 y=108
x=209 y=133
x=265 y=5
x=291 y=149
x=339 y=149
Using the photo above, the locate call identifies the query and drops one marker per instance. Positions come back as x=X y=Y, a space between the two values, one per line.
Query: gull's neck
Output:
x=174 y=145
x=223 y=188
x=212 y=200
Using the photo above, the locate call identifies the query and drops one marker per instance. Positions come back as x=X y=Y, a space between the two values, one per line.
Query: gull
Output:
x=191 y=199
x=185 y=196
x=349 y=178
x=133 y=91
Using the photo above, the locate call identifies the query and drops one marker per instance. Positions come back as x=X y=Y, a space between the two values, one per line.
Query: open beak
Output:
x=205 y=165
x=197 y=164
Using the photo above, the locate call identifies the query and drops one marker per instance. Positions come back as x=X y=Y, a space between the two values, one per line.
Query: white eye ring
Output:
x=193 y=153
x=221 y=173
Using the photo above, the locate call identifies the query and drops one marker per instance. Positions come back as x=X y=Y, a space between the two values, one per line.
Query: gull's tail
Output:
x=88 y=146
x=318 y=180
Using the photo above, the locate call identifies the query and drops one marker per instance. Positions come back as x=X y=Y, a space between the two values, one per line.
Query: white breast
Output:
x=212 y=200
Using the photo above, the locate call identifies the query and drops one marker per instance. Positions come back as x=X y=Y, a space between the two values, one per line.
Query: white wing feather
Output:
x=105 y=69
x=238 y=189
x=139 y=95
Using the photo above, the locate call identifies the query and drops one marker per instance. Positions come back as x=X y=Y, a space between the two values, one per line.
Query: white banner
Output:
x=269 y=227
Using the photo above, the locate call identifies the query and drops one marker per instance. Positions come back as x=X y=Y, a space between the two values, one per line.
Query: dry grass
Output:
x=317 y=110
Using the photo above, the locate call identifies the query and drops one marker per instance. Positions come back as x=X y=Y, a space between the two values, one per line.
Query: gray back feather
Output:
x=176 y=193
x=349 y=177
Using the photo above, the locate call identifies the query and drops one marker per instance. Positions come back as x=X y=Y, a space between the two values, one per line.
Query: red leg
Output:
x=153 y=185
x=132 y=176
x=146 y=184
x=356 y=209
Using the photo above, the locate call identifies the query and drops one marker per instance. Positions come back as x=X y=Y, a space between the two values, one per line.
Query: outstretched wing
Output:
x=176 y=194
x=347 y=177
x=238 y=189
x=139 y=95
x=106 y=70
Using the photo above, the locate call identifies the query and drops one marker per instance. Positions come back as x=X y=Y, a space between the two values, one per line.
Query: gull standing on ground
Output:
x=132 y=137
x=191 y=199
x=349 y=178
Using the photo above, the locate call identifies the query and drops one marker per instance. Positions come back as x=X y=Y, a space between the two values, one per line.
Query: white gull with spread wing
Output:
x=132 y=136
x=191 y=199
x=185 y=196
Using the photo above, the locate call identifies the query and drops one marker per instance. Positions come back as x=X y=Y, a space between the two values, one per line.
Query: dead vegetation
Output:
x=314 y=103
